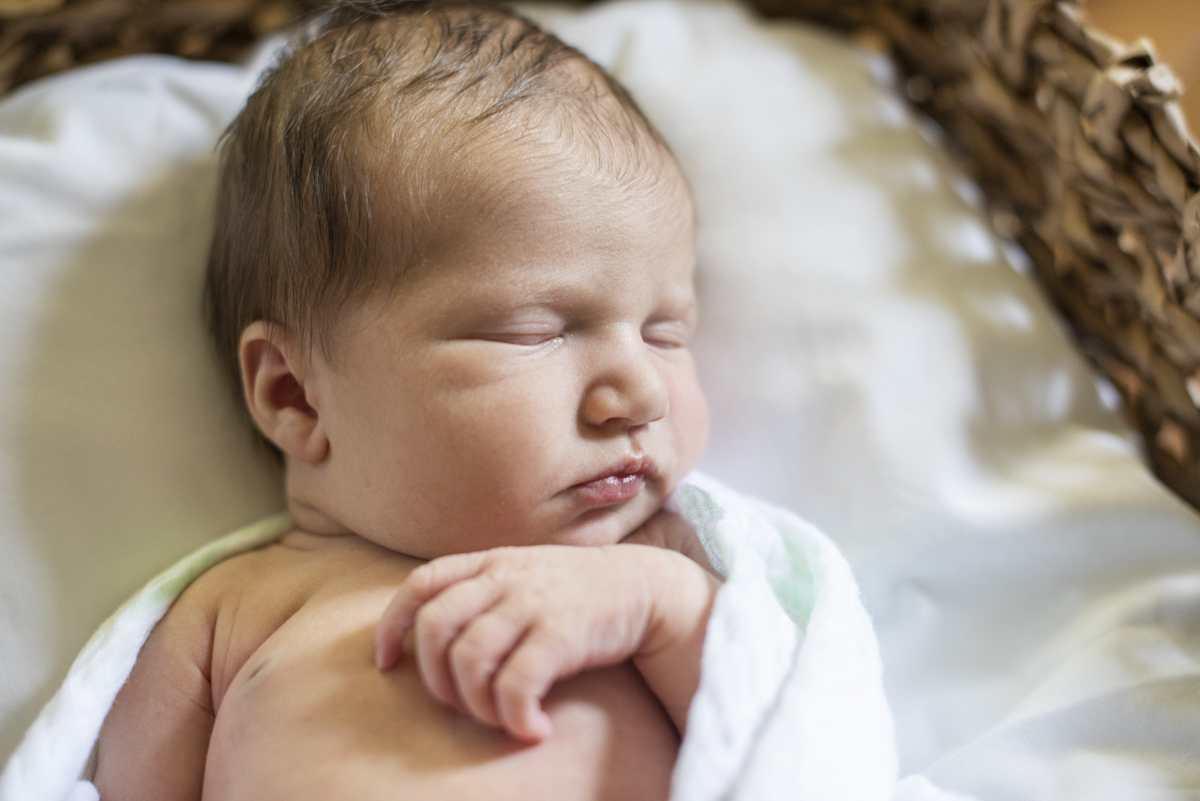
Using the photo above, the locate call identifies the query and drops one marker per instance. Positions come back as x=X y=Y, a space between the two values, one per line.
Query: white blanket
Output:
x=790 y=703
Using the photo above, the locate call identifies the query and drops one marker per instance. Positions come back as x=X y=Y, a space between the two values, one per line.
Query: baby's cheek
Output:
x=689 y=420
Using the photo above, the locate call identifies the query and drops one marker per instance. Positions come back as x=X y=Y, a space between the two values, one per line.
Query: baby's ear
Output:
x=276 y=379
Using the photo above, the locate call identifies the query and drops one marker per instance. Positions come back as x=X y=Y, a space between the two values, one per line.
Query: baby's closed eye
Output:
x=667 y=333
x=525 y=335
x=525 y=327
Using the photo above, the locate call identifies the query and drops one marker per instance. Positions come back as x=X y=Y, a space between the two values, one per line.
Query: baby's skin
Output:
x=262 y=684
x=482 y=597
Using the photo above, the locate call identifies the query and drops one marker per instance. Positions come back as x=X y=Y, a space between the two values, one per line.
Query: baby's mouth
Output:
x=617 y=484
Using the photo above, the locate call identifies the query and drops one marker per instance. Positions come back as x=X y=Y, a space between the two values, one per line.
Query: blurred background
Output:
x=1173 y=25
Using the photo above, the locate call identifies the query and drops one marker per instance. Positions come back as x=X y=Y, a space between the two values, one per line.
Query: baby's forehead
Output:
x=447 y=189
x=437 y=147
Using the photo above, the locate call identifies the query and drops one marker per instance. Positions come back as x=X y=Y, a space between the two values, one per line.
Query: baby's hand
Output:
x=496 y=629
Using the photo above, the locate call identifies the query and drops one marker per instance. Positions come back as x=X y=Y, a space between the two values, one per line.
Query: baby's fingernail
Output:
x=543 y=726
x=538 y=729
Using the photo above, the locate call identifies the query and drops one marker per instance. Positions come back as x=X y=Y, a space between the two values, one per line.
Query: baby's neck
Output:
x=303 y=500
x=312 y=520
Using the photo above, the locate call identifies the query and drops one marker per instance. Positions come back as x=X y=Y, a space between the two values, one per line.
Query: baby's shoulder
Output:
x=239 y=603
x=289 y=571
x=232 y=607
x=263 y=574
x=265 y=586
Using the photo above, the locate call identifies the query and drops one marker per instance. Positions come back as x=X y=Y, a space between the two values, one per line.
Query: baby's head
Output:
x=453 y=273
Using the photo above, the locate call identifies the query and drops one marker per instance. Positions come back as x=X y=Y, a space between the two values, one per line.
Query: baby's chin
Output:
x=606 y=526
x=598 y=527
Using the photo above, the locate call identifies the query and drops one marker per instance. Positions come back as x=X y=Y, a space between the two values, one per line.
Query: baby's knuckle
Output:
x=422 y=577
x=519 y=679
x=474 y=668
x=503 y=565
x=432 y=618
x=555 y=641
x=491 y=584
x=468 y=648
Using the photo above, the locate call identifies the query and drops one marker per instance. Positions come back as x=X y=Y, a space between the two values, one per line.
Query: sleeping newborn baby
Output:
x=453 y=276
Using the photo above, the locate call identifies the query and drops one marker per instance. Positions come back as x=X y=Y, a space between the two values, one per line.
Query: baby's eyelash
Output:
x=522 y=338
x=667 y=334
x=530 y=340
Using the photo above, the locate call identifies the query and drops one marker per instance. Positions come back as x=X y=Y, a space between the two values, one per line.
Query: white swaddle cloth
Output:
x=790 y=702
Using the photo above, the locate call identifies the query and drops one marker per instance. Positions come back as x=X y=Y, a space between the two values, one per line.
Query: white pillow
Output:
x=872 y=359
x=119 y=447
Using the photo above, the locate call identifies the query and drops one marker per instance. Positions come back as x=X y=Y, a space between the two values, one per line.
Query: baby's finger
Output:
x=477 y=654
x=423 y=583
x=439 y=623
x=538 y=661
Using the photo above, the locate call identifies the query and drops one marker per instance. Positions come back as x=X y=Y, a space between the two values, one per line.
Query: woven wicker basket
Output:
x=1076 y=139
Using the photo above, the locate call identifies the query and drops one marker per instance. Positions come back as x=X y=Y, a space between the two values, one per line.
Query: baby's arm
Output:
x=496 y=629
x=155 y=740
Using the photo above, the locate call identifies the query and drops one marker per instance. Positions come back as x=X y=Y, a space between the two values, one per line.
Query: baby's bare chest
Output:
x=305 y=713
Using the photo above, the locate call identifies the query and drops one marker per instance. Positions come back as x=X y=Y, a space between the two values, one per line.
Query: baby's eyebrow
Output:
x=487 y=310
x=682 y=303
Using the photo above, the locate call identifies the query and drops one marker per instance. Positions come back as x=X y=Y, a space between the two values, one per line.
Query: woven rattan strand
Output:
x=1076 y=139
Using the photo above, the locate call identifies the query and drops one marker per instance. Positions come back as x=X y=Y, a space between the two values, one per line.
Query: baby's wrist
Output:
x=681 y=599
x=682 y=596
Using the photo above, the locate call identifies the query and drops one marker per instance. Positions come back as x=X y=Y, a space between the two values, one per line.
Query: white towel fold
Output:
x=791 y=701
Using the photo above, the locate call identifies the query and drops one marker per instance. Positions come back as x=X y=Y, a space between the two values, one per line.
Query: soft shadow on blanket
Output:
x=112 y=397
x=937 y=424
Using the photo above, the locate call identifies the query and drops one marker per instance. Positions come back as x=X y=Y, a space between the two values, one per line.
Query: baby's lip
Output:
x=630 y=465
x=616 y=484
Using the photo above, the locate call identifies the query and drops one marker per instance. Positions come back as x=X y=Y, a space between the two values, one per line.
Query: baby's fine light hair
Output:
x=387 y=89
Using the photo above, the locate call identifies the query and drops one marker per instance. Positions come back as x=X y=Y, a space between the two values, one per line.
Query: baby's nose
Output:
x=627 y=389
